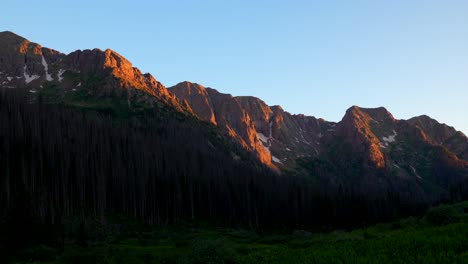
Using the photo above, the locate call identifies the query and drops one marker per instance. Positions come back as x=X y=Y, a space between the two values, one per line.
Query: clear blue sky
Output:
x=311 y=57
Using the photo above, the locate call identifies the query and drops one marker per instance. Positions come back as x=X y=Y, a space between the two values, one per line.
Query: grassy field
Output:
x=441 y=236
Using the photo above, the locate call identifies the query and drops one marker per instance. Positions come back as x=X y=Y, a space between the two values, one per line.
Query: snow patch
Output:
x=46 y=68
x=397 y=166
x=287 y=149
x=262 y=137
x=32 y=91
x=59 y=75
x=266 y=140
x=320 y=135
x=9 y=78
x=389 y=139
x=29 y=78
x=78 y=85
x=415 y=172
x=275 y=159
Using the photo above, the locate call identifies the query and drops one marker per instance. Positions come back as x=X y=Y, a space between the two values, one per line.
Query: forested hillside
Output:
x=86 y=139
x=58 y=161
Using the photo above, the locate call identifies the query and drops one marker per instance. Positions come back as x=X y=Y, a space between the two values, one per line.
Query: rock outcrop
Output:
x=24 y=64
x=224 y=111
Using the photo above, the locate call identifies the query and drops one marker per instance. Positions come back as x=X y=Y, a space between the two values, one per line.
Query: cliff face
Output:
x=224 y=111
x=25 y=63
x=441 y=134
x=287 y=136
x=111 y=65
x=197 y=97
x=368 y=131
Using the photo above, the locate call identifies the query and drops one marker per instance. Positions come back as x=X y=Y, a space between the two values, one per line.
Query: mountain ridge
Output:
x=101 y=73
x=88 y=132
x=369 y=139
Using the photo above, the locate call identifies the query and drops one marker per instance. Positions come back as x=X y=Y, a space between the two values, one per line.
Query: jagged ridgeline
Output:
x=87 y=134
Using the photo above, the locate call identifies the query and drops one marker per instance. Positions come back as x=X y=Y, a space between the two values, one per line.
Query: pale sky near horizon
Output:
x=312 y=57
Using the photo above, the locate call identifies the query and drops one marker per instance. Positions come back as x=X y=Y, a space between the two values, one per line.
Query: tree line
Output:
x=162 y=167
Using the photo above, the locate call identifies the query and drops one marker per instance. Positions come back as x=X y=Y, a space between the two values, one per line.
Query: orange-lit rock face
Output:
x=131 y=77
x=287 y=136
x=224 y=111
x=271 y=133
x=355 y=128
x=11 y=41
x=122 y=69
x=119 y=77
x=229 y=112
x=27 y=47
x=25 y=63
x=258 y=110
x=198 y=99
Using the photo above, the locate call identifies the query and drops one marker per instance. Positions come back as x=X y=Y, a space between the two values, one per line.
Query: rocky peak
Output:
x=9 y=39
x=224 y=111
x=24 y=63
x=197 y=97
x=101 y=73
x=118 y=75
x=442 y=134
x=12 y=44
x=115 y=60
x=356 y=129
x=287 y=136
x=379 y=114
x=437 y=132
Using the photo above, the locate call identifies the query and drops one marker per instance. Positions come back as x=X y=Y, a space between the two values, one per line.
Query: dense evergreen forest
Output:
x=160 y=167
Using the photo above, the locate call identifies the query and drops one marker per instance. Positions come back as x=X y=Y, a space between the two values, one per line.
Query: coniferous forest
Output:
x=234 y=132
x=61 y=164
